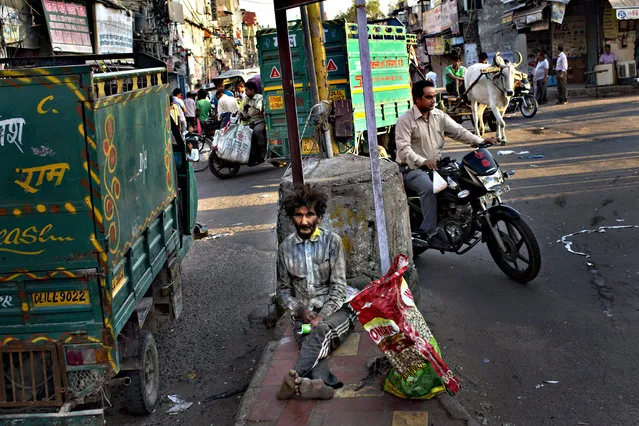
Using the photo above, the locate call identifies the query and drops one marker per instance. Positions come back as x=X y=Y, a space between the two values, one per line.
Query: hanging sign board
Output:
x=610 y=25
x=623 y=14
x=68 y=26
x=114 y=30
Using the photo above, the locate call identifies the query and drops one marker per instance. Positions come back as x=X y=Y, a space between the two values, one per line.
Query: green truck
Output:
x=391 y=85
x=98 y=209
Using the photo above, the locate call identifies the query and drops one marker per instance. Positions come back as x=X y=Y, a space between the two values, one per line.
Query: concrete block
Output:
x=351 y=214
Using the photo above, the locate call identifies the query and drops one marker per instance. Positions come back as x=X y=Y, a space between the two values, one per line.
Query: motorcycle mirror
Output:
x=509 y=173
x=463 y=194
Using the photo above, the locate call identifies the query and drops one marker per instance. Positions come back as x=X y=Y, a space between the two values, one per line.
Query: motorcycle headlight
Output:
x=492 y=181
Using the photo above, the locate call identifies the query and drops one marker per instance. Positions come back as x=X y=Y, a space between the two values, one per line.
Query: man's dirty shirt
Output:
x=312 y=273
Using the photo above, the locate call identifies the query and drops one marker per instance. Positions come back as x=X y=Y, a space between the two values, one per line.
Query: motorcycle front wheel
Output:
x=221 y=168
x=521 y=259
x=529 y=106
x=204 y=147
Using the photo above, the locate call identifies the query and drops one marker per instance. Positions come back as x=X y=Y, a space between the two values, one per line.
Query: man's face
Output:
x=427 y=102
x=456 y=64
x=607 y=50
x=219 y=89
x=306 y=221
x=250 y=93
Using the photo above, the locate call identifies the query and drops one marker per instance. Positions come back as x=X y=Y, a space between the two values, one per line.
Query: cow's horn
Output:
x=495 y=58
x=521 y=58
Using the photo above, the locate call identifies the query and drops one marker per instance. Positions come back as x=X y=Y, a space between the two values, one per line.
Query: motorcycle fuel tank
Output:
x=480 y=161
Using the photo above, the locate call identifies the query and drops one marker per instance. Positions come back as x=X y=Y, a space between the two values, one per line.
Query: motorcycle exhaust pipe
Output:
x=120 y=381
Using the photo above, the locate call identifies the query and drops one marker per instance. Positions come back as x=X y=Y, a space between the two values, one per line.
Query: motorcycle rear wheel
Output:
x=221 y=168
x=516 y=235
x=531 y=110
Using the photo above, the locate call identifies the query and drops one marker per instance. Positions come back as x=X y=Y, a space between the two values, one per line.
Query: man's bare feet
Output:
x=315 y=389
x=290 y=386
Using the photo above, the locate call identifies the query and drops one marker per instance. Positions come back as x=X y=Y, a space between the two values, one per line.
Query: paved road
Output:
x=575 y=324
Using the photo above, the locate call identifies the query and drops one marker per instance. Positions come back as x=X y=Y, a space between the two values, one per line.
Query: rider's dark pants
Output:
x=258 y=143
x=419 y=182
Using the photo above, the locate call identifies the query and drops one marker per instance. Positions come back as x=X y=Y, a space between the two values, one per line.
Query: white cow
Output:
x=491 y=85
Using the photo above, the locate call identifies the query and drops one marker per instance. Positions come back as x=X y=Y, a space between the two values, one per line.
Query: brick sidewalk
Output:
x=369 y=406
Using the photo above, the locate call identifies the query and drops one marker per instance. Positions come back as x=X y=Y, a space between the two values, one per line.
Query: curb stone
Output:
x=453 y=407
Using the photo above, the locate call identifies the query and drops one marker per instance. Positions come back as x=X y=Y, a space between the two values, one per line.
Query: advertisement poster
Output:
x=68 y=26
x=558 y=10
x=114 y=30
x=470 y=54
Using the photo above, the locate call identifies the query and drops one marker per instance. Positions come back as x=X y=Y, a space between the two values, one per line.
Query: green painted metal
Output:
x=391 y=81
x=89 y=213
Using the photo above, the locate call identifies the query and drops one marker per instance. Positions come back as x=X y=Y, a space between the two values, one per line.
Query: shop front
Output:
x=620 y=29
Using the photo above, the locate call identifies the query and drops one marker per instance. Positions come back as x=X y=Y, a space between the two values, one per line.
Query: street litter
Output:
x=486 y=360
x=620 y=220
x=180 y=405
x=551 y=382
x=508 y=152
x=539 y=386
x=533 y=165
x=216 y=236
x=531 y=157
x=264 y=195
x=568 y=244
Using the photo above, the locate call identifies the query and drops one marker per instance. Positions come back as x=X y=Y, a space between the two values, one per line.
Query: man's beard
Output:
x=306 y=232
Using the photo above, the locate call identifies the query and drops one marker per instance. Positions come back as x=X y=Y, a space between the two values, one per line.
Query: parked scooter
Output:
x=470 y=210
x=523 y=100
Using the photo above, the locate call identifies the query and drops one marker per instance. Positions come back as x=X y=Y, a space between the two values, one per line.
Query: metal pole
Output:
x=371 y=129
x=319 y=57
x=309 y=54
x=322 y=10
x=290 y=106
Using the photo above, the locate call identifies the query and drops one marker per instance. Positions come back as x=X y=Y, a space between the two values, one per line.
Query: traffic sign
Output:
x=275 y=73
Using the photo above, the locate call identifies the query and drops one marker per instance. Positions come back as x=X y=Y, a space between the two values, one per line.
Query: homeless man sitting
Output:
x=311 y=284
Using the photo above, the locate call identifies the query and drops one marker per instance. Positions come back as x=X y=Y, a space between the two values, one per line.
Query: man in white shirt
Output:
x=562 y=76
x=540 y=77
x=431 y=75
x=177 y=99
x=226 y=105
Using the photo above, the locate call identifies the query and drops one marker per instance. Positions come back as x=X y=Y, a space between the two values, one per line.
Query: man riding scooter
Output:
x=253 y=114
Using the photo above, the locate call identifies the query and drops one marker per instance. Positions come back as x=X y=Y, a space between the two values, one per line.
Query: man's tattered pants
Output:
x=320 y=342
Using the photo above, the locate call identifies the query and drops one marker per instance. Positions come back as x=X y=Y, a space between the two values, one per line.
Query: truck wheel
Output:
x=145 y=383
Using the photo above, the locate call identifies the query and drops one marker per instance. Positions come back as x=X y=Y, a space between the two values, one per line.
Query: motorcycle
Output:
x=522 y=100
x=224 y=169
x=470 y=210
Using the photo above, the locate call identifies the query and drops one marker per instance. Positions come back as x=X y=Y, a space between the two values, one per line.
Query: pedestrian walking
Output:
x=562 y=76
x=540 y=77
x=189 y=112
x=311 y=284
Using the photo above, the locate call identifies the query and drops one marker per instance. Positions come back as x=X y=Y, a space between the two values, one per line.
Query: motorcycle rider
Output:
x=253 y=113
x=419 y=136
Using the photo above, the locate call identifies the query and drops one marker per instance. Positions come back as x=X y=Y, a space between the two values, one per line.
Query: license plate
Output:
x=275 y=102
x=338 y=95
x=309 y=146
x=490 y=196
x=61 y=298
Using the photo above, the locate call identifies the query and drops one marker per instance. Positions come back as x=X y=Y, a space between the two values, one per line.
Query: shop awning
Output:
x=623 y=4
x=529 y=16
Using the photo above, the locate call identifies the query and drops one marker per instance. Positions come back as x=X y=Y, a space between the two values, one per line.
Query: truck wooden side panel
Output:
x=46 y=219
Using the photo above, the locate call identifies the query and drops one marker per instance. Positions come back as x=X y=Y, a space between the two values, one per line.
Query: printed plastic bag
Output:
x=387 y=311
x=439 y=184
x=234 y=143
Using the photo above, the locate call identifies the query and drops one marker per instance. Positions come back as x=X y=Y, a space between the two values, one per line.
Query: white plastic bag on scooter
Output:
x=233 y=143
x=439 y=183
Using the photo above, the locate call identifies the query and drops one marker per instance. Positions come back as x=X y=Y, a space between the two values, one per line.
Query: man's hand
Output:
x=430 y=164
x=308 y=316
x=315 y=322
x=491 y=139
